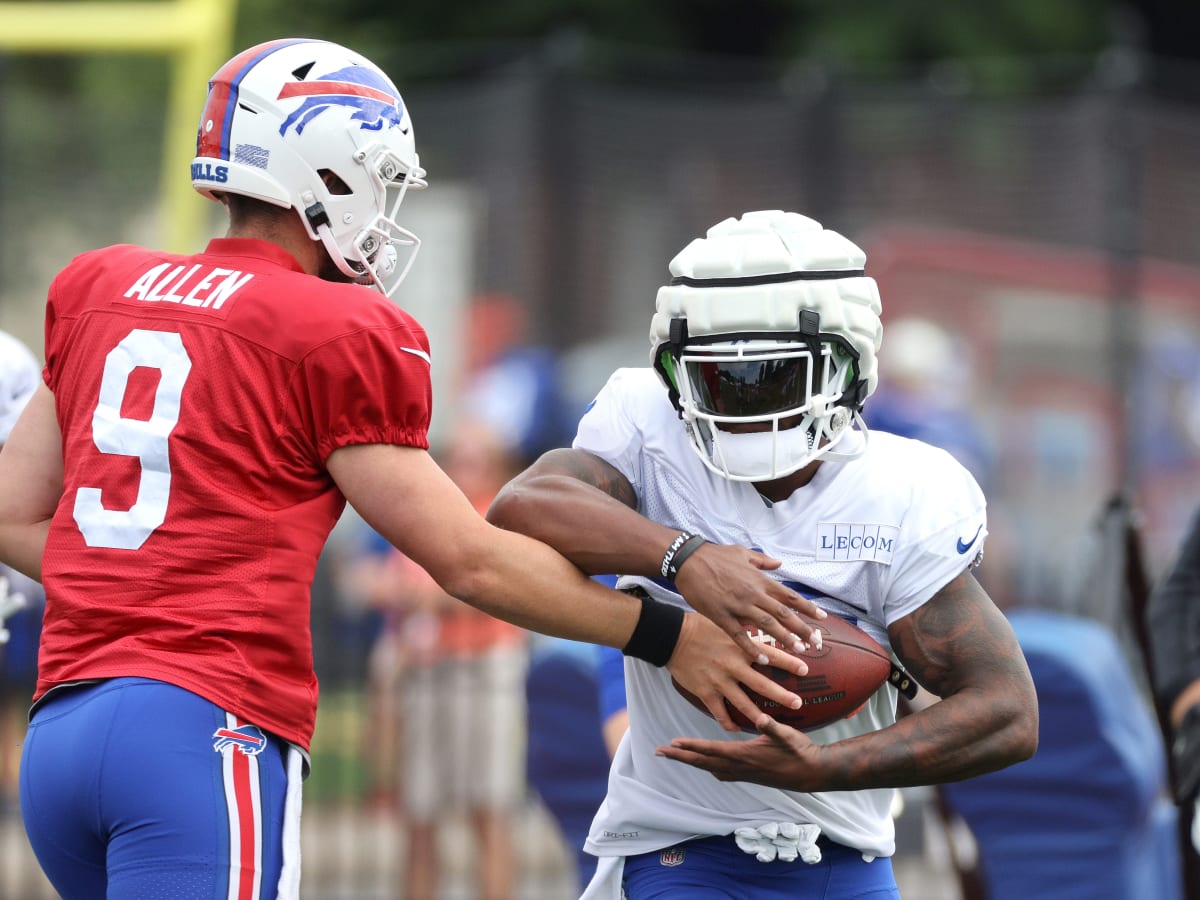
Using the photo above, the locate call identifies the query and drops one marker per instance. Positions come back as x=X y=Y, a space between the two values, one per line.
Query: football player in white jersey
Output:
x=746 y=430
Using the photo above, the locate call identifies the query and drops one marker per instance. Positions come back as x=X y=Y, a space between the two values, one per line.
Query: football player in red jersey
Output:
x=203 y=421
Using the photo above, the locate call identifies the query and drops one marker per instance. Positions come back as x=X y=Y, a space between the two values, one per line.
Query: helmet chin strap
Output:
x=318 y=222
x=844 y=434
x=372 y=274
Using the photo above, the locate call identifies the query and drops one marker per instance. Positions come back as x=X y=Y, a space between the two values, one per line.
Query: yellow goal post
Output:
x=195 y=36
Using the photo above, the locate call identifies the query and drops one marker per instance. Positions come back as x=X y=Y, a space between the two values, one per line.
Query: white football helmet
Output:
x=768 y=319
x=284 y=116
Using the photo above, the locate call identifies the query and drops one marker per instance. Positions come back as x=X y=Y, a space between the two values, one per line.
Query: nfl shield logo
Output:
x=672 y=856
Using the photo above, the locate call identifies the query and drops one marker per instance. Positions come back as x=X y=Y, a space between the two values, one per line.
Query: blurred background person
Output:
x=926 y=387
x=575 y=696
x=459 y=673
x=513 y=382
x=447 y=683
x=1166 y=403
x=928 y=391
x=516 y=385
x=20 y=374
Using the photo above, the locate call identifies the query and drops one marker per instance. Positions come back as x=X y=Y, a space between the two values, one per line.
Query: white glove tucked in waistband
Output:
x=784 y=841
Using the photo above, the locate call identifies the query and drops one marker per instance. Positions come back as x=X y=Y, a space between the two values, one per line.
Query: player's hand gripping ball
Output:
x=847 y=668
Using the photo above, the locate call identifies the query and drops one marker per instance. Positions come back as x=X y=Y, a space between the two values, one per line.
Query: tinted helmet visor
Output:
x=750 y=387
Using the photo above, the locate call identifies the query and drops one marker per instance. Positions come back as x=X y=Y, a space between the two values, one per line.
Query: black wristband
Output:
x=657 y=631
x=681 y=548
x=690 y=546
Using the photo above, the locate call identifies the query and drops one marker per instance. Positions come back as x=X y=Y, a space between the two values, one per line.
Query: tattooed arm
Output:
x=586 y=509
x=960 y=647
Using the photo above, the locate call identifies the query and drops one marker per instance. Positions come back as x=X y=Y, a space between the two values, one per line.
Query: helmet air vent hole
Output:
x=333 y=183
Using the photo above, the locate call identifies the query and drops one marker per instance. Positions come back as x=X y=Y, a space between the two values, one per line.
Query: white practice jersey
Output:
x=870 y=539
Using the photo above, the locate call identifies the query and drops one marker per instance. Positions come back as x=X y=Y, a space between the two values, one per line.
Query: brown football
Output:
x=847 y=669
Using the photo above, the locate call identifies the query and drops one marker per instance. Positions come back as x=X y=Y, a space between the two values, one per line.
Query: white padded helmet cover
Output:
x=765 y=243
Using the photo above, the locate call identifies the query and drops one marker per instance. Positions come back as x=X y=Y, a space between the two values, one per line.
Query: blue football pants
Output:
x=714 y=868
x=132 y=788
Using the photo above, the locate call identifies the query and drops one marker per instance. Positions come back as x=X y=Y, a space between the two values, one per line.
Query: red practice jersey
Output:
x=199 y=398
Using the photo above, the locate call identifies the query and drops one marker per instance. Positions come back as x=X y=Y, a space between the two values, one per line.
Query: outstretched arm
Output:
x=587 y=510
x=960 y=647
x=403 y=494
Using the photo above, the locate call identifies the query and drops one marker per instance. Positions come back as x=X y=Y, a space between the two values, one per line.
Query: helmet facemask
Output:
x=761 y=407
x=381 y=252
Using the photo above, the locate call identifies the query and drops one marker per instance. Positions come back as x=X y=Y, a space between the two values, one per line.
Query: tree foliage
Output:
x=858 y=35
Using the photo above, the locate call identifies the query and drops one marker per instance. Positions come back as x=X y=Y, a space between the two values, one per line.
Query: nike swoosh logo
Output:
x=425 y=356
x=963 y=548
